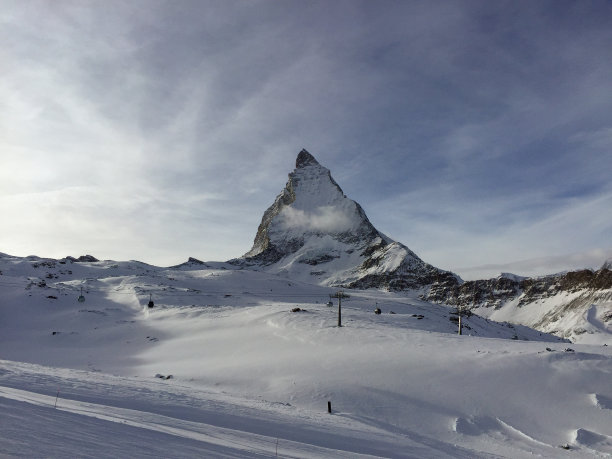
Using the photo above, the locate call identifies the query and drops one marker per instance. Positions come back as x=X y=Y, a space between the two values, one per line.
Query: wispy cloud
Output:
x=471 y=131
x=326 y=219
x=534 y=267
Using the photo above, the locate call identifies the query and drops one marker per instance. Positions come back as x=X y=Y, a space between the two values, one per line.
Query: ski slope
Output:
x=251 y=378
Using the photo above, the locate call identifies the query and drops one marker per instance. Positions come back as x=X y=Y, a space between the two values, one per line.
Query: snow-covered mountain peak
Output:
x=312 y=205
x=311 y=186
x=314 y=232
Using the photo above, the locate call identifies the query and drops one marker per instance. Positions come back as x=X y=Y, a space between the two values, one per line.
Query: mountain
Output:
x=313 y=232
x=574 y=305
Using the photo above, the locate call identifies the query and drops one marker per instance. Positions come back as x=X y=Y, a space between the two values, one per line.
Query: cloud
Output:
x=458 y=235
x=324 y=219
x=590 y=259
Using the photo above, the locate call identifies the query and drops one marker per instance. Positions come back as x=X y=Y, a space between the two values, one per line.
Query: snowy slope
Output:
x=314 y=233
x=576 y=305
x=582 y=316
x=249 y=375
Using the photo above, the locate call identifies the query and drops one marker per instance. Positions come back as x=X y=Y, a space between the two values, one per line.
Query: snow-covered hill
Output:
x=222 y=366
x=314 y=233
x=40 y=305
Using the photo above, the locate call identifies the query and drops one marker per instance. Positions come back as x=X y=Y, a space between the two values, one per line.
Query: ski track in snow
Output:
x=225 y=439
x=197 y=415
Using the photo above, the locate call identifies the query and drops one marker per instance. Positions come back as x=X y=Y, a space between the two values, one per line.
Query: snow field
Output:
x=247 y=371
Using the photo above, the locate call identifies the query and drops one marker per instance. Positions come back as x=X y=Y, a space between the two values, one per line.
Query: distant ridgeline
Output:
x=495 y=292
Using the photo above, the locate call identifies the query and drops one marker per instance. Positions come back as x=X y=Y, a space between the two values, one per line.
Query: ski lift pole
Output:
x=340 y=295
x=339 y=310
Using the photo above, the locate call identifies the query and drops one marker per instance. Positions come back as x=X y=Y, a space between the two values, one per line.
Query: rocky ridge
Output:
x=494 y=292
x=545 y=303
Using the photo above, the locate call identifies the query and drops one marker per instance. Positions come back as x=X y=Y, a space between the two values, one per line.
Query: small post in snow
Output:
x=329 y=407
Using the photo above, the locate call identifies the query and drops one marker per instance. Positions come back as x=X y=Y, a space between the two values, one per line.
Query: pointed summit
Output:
x=311 y=203
x=313 y=232
x=304 y=158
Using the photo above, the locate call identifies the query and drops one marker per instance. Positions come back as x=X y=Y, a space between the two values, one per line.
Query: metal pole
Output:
x=339 y=309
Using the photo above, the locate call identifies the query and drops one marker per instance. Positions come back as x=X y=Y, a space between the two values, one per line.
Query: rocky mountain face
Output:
x=568 y=304
x=314 y=232
x=494 y=292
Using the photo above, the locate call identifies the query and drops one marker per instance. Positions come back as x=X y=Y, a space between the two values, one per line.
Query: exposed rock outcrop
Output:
x=494 y=292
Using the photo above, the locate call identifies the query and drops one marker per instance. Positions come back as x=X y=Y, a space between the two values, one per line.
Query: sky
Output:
x=477 y=133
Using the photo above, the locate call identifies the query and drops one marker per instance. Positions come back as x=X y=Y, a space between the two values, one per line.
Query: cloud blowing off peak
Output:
x=324 y=219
